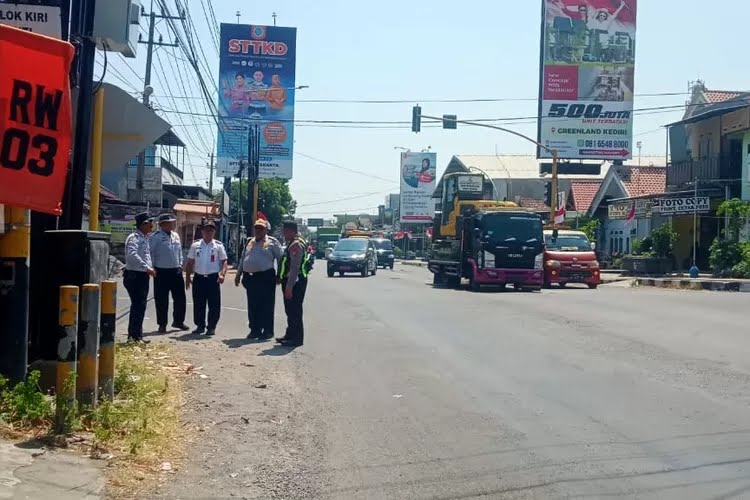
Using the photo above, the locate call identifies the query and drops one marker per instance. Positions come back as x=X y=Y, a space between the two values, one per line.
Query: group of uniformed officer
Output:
x=160 y=256
x=257 y=274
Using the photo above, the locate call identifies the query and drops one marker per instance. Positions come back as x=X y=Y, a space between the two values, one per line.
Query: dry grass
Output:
x=141 y=429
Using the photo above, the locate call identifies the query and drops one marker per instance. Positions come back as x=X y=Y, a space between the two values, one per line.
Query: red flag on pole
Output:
x=631 y=214
x=262 y=216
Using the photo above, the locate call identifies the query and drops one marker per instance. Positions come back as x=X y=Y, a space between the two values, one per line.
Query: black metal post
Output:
x=82 y=28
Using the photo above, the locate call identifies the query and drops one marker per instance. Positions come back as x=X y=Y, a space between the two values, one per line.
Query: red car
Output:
x=570 y=258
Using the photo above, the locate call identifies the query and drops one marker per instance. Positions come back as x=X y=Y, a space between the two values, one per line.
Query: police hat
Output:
x=143 y=218
x=167 y=217
x=209 y=223
x=290 y=224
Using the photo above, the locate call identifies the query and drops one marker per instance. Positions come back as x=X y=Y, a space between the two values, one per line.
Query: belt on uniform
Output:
x=206 y=275
x=257 y=272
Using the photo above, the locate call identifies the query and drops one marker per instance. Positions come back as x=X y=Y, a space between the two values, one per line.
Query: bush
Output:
x=398 y=252
x=742 y=269
x=24 y=404
x=662 y=240
x=724 y=256
x=642 y=247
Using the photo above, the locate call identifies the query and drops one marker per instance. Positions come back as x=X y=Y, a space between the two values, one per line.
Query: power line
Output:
x=351 y=170
x=328 y=202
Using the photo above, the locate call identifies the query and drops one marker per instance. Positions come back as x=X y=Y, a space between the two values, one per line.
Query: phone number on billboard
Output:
x=603 y=144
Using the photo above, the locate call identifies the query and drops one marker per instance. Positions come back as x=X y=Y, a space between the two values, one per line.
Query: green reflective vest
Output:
x=305 y=265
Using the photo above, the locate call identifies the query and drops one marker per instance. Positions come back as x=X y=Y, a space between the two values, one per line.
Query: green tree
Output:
x=728 y=257
x=274 y=200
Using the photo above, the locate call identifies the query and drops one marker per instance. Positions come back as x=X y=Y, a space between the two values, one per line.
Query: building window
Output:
x=627 y=245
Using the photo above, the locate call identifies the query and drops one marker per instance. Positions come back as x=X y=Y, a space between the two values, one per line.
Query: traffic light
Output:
x=548 y=194
x=416 y=119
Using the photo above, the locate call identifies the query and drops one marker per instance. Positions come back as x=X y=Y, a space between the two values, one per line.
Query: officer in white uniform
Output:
x=166 y=254
x=138 y=268
x=205 y=270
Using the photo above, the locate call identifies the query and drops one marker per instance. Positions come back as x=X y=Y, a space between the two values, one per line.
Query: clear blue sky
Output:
x=420 y=50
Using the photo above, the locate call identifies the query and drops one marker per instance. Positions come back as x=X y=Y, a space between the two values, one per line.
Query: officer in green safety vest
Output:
x=293 y=272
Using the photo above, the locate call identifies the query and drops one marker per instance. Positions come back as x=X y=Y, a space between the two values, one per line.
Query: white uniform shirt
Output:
x=208 y=257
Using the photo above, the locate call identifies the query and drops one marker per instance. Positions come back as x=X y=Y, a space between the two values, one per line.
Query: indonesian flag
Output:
x=429 y=232
x=262 y=216
x=399 y=235
x=631 y=214
x=409 y=234
x=560 y=215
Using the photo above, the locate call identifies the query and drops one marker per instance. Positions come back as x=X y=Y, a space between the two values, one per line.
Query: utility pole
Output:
x=274 y=18
x=147 y=89
x=253 y=172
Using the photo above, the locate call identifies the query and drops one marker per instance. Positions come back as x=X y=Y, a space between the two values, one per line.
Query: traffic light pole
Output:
x=416 y=126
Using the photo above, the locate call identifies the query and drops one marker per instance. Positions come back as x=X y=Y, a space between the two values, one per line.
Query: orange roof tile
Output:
x=716 y=96
x=584 y=193
x=640 y=181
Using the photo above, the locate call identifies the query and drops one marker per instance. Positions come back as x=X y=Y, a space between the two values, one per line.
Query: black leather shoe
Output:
x=182 y=327
x=162 y=329
x=291 y=343
x=281 y=340
x=199 y=330
x=253 y=335
x=266 y=336
x=210 y=333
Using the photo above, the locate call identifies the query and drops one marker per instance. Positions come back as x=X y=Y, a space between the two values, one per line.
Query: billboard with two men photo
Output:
x=587 y=78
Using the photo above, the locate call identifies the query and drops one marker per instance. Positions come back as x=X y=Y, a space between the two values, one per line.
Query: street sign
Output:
x=470 y=183
x=687 y=205
x=42 y=18
x=315 y=223
x=449 y=122
x=565 y=168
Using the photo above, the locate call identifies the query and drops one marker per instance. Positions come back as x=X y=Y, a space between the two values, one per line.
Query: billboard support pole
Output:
x=553 y=198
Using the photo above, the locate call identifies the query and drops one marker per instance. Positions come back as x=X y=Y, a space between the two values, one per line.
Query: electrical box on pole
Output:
x=416 y=119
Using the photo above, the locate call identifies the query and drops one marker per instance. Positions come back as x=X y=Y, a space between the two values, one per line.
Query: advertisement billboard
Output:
x=256 y=87
x=418 y=180
x=40 y=17
x=587 y=79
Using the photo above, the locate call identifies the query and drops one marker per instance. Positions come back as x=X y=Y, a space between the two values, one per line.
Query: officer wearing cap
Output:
x=258 y=276
x=293 y=271
x=138 y=268
x=207 y=258
x=166 y=254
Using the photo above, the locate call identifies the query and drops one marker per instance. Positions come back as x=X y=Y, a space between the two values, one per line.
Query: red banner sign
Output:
x=35 y=119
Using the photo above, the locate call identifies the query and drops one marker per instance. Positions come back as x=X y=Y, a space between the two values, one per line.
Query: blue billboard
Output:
x=256 y=87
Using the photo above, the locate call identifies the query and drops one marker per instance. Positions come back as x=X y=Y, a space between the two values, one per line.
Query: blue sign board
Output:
x=256 y=87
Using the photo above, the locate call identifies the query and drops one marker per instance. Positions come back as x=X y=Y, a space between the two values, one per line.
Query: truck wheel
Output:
x=475 y=287
x=365 y=272
x=437 y=279
x=593 y=287
x=453 y=282
x=391 y=266
x=374 y=270
x=562 y=285
x=330 y=273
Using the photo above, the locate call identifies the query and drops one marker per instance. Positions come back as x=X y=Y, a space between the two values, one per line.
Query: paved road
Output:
x=405 y=391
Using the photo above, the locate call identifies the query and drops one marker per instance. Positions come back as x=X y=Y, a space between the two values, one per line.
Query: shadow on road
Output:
x=190 y=336
x=277 y=350
x=237 y=343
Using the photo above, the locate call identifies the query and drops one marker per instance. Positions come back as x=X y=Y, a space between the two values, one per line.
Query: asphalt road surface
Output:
x=406 y=391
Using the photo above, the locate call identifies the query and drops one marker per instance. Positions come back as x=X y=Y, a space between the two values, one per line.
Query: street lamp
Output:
x=401 y=148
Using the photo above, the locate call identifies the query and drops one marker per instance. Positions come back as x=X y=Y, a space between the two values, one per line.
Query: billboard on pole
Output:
x=587 y=78
x=418 y=179
x=256 y=86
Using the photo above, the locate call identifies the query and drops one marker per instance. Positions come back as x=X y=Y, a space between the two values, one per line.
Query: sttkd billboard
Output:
x=586 y=78
x=256 y=87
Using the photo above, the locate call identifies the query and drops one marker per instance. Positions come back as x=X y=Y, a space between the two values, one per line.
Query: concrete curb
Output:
x=690 y=284
x=415 y=263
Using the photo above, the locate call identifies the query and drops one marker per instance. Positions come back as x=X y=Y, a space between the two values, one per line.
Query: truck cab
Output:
x=569 y=258
x=487 y=241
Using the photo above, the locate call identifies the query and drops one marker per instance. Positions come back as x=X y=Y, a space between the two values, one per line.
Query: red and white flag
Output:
x=429 y=232
x=399 y=235
x=631 y=214
x=560 y=215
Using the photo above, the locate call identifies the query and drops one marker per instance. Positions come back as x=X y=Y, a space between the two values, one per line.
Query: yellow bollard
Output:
x=88 y=347
x=107 y=341
x=66 y=354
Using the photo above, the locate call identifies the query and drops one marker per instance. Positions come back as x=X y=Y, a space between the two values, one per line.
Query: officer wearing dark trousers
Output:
x=257 y=274
x=293 y=276
x=138 y=269
x=208 y=259
x=166 y=254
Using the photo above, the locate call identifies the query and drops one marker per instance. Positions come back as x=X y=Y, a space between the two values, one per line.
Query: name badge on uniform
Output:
x=213 y=257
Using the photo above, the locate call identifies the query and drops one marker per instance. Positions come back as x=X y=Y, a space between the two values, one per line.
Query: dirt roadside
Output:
x=250 y=434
